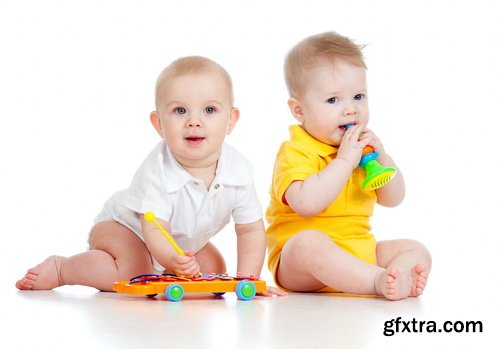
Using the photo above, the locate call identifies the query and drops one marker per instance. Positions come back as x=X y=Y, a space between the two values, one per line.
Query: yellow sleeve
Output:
x=293 y=163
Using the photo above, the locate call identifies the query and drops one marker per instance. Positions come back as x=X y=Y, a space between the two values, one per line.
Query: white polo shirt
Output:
x=163 y=186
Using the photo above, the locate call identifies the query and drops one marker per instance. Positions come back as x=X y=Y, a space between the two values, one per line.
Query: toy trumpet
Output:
x=376 y=175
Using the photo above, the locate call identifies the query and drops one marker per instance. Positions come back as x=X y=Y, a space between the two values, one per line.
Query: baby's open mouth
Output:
x=195 y=140
x=345 y=127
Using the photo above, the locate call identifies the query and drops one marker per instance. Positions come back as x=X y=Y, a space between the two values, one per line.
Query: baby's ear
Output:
x=154 y=117
x=233 y=119
x=296 y=109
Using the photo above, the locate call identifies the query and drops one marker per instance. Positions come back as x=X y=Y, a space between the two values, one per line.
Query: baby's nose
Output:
x=194 y=122
x=350 y=110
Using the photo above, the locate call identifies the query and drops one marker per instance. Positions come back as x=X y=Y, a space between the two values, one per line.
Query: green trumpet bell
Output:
x=376 y=175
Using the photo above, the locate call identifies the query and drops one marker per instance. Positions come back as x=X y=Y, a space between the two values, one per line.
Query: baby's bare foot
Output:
x=394 y=284
x=387 y=283
x=419 y=280
x=45 y=276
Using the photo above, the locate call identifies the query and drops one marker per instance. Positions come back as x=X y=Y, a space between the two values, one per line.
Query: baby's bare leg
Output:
x=412 y=263
x=310 y=260
x=210 y=259
x=116 y=254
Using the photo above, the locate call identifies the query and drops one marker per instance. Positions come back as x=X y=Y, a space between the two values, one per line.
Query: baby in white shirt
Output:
x=192 y=181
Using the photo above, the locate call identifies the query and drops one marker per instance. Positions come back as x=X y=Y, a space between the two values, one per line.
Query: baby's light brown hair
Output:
x=313 y=51
x=186 y=66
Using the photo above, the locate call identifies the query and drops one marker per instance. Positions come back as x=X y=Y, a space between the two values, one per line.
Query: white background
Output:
x=76 y=90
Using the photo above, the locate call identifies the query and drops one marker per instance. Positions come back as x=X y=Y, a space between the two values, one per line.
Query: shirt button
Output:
x=217 y=186
x=196 y=183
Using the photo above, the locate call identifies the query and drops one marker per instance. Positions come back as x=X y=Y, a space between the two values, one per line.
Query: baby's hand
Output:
x=352 y=145
x=373 y=140
x=272 y=291
x=185 y=266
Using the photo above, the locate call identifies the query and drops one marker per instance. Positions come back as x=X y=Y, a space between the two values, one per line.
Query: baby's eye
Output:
x=180 y=110
x=359 y=97
x=331 y=100
x=210 y=110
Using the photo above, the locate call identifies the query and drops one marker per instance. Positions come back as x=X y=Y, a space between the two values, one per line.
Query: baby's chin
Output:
x=334 y=140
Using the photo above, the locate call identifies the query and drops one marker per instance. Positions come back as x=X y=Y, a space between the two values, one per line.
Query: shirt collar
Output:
x=232 y=169
x=175 y=175
x=298 y=134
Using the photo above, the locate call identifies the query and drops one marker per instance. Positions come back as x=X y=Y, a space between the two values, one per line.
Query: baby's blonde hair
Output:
x=186 y=66
x=325 y=48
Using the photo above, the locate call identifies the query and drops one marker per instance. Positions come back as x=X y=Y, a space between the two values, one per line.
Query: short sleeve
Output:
x=293 y=163
x=247 y=208
x=148 y=189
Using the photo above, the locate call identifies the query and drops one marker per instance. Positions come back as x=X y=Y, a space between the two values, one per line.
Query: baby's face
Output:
x=195 y=114
x=334 y=97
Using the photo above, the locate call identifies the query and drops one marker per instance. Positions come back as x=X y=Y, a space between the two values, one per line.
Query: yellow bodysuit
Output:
x=346 y=220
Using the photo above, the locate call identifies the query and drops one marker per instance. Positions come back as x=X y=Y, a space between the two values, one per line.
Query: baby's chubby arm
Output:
x=313 y=195
x=251 y=245
x=164 y=253
x=251 y=242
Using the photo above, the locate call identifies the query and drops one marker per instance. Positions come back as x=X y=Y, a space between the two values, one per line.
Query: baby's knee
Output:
x=417 y=245
x=309 y=240
x=420 y=248
x=210 y=259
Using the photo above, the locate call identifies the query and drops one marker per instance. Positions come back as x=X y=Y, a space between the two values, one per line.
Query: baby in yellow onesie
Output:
x=319 y=230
